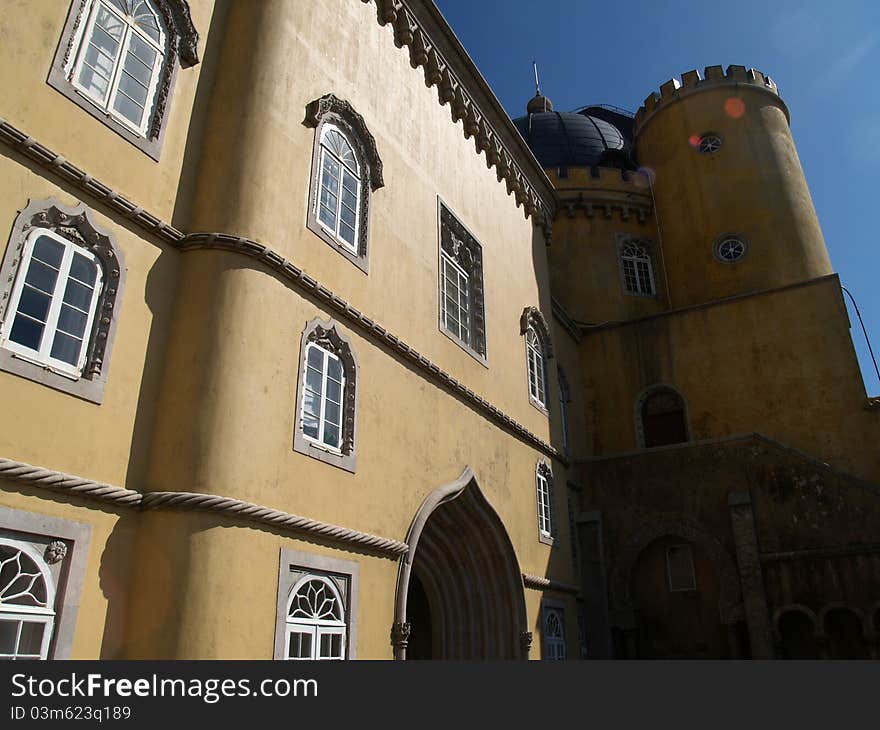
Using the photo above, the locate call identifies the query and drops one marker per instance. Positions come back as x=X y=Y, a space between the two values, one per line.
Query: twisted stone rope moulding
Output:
x=57 y=164
x=56 y=481
x=35 y=476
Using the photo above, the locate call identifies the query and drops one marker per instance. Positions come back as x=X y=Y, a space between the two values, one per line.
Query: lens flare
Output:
x=734 y=107
x=694 y=140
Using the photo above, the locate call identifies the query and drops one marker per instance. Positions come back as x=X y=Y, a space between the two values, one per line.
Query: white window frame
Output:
x=555 y=648
x=42 y=356
x=464 y=310
x=636 y=253
x=325 y=375
x=354 y=246
x=315 y=628
x=78 y=59
x=31 y=614
x=537 y=370
x=544 y=490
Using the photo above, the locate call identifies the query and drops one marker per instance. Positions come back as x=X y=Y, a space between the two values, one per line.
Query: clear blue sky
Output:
x=825 y=57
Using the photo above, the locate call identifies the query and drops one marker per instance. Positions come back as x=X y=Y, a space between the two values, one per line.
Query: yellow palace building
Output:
x=309 y=351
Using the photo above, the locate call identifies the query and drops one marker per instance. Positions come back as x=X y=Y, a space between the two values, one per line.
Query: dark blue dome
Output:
x=573 y=139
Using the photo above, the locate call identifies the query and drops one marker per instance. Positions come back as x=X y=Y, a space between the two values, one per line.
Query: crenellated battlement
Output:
x=604 y=191
x=713 y=77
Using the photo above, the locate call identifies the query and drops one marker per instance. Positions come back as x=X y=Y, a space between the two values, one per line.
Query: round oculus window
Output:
x=730 y=249
x=709 y=143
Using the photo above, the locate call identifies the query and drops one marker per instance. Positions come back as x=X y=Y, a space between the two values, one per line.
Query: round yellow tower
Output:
x=734 y=211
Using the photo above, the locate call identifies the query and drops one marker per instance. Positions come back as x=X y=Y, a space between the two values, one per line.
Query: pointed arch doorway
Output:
x=460 y=592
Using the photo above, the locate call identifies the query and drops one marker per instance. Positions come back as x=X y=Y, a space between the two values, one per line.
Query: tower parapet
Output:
x=713 y=77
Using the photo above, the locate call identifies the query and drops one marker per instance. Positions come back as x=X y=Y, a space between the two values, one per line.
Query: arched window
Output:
x=636 y=268
x=537 y=371
x=346 y=169
x=60 y=284
x=546 y=512
x=554 y=633
x=327 y=396
x=661 y=418
x=27 y=600
x=116 y=60
x=340 y=186
x=53 y=302
x=315 y=627
x=120 y=58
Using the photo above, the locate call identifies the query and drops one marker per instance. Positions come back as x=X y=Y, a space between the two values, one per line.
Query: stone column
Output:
x=748 y=559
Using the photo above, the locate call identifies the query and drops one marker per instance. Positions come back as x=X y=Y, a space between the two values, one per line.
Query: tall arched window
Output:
x=636 y=268
x=316 y=627
x=327 y=396
x=27 y=601
x=564 y=400
x=546 y=510
x=661 y=416
x=340 y=187
x=537 y=370
x=120 y=57
x=346 y=169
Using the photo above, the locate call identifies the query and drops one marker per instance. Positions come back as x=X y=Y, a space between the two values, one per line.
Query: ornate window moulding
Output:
x=64 y=546
x=182 y=49
x=461 y=247
x=294 y=566
x=284 y=269
x=409 y=29
x=341 y=114
x=74 y=224
x=327 y=336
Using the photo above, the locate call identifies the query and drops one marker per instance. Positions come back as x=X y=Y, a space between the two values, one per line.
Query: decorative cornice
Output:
x=341 y=109
x=537 y=583
x=498 y=138
x=35 y=476
x=55 y=163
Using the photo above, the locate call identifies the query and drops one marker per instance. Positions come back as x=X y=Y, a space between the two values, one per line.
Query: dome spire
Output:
x=539 y=103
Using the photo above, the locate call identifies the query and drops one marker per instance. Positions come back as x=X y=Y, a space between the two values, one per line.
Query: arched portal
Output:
x=462 y=577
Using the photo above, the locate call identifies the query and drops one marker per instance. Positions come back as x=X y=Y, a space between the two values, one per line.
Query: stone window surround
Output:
x=640 y=401
x=182 y=48
x=340 y=114
x=621 y=239
x=40 y=529
x=327 y=334
x=533 y=318
x=293 y=565
x=75 y=224
x=552 y=604
x=544 y=468
x=477 y=283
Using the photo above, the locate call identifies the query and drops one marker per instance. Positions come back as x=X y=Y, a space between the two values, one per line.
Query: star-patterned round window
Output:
x=709 y=143
x=730 y=249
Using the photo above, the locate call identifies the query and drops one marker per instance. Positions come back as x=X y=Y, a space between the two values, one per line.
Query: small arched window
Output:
x=537 y=369
x=346 y=169
x=554 y=633
x=27 y=600
x=662 y=418
x=636 y=268
x=316 y=626
x=327 y=396
x=120 y=57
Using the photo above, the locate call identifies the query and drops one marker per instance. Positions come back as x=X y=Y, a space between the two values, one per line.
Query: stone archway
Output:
x=462 y=563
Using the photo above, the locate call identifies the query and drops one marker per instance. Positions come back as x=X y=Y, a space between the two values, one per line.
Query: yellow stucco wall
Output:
x=781 y=363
